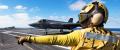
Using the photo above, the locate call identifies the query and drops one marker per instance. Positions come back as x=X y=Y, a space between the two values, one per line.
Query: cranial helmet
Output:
x=91 y=9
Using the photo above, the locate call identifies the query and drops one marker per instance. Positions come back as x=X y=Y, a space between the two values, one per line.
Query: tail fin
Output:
x=70 y=20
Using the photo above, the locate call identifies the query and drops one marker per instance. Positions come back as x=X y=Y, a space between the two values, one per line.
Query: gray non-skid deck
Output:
x=8 y=42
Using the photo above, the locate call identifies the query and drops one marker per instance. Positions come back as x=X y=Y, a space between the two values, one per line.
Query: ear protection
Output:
x=97 y=19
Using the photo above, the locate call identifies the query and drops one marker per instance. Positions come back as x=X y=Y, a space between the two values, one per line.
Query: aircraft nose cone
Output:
x=34 y=24
x=30 y=24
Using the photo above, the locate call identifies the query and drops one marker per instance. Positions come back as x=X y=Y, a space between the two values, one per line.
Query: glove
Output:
x=22 y=39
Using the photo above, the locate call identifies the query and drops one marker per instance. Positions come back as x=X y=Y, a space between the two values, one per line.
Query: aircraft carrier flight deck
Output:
x=8 y=42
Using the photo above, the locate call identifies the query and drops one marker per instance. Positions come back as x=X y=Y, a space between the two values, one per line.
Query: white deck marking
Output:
x=10 y=33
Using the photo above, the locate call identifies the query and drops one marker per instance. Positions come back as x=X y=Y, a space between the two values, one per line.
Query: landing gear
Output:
x=46 y=31
x=61 y=30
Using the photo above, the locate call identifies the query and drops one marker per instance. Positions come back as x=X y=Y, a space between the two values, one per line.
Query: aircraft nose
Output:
x=34 y=24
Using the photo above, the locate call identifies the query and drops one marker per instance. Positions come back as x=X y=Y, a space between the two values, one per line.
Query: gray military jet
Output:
x=52 y=24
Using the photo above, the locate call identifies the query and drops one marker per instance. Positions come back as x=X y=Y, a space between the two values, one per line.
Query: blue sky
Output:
x=20 y=13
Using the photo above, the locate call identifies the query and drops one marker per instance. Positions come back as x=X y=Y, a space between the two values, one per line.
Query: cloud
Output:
x=113 y=22
x=17 y=20
x=3 y=7
x=78 y=5
x=20 y=7
x=21 y=17
x=6 y=20
x=24 y=19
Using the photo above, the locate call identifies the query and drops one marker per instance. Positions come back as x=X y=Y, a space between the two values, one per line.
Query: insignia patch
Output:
x=101 y=37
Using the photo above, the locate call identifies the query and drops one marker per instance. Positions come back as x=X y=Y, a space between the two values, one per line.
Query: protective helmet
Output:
x=91 y=9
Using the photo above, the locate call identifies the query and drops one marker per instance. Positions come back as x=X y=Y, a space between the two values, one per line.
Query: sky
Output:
x=20 y=13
